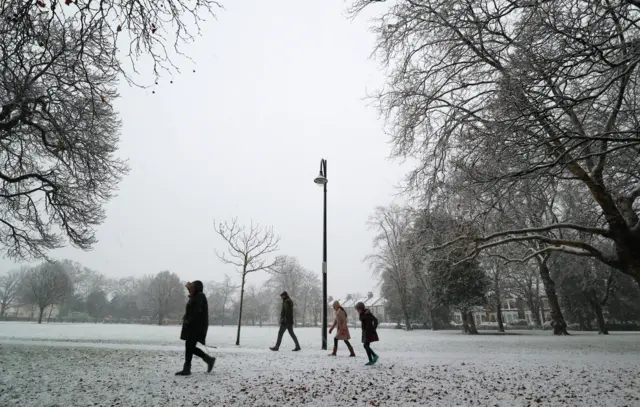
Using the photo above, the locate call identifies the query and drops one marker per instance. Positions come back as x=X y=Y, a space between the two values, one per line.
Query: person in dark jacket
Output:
x=286 y=322
x=195 y=324
x=369 y=331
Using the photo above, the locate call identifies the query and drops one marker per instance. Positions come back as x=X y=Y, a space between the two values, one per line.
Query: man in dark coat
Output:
x=195 y=324
x=286 y=322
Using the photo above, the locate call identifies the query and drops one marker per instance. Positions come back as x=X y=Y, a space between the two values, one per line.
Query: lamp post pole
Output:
x=321 y=179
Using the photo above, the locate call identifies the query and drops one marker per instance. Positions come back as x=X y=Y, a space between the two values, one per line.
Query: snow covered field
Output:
x=133 y=365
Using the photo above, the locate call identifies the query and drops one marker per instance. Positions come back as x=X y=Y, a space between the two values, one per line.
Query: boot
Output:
x=351 y=352
x=186 y=370
x=335 y=350
x=298 y=348
x=273 y=348
x=210 y=362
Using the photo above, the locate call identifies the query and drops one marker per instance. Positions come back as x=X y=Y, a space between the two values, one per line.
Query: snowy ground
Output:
x=133 y=365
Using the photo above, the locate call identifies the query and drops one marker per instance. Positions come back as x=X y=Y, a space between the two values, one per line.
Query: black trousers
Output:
x=335 y=343
x=370 y=352
x=190 y=350
x=287 y=327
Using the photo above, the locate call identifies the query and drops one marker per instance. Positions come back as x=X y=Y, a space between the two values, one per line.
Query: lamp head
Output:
x=320 y=179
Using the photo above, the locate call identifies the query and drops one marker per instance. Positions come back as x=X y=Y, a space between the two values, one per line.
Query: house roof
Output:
x=372 y=302
x=349 y=303
x=369 y=302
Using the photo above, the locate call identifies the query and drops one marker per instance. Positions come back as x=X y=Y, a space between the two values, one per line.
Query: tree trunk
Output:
x=3 y=308
x=592 y=298
x=582 y=324
x=499 y=316
x=465 y=322
x=49 y=317
x=557 y=319
x=498 y=298
x=535 y=312
x=472 y=324
x=432 y=320
x=160 y=318
x=40 y=314
x=407 y=321
x=244 y=276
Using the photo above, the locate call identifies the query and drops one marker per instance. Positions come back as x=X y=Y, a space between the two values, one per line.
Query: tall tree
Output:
x=97 y=305
x=9 y=289
x=524 y=281
x=59 y=73
x=511 y=93
x=392 y=258
x=227 y=291
x=164 y=294
x=46 y=285
x=462 y=287
x=85 y=280
x=249 y=250
x=301 y=284
x=496 y=274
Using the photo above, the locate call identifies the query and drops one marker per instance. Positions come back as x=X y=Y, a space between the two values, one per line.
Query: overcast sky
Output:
x=278 y=85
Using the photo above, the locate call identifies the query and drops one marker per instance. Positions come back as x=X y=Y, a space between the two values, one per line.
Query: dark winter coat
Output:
x=286 y=314
x=369 y=326
x=195 y=322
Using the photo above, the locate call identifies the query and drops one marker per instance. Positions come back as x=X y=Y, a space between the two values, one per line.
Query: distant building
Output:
x=513 y=309
x=376 y=304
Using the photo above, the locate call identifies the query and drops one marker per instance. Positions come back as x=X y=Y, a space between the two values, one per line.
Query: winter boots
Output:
x=296 y=349
x=351 y=351
x=186 y=370
x=210 y=362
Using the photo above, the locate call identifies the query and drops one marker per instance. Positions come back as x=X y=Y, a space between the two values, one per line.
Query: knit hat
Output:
x=359 y=305
x=284 y=294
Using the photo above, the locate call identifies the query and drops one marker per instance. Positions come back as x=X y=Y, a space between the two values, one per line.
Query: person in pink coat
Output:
x=342 y=332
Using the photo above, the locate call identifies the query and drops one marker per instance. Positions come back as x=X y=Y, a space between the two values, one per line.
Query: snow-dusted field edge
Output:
x=129 y=365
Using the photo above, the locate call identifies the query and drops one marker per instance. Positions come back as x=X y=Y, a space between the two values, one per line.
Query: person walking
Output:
x=342 y=329
x=369 y=331
x=195 y=324
x=286 y=322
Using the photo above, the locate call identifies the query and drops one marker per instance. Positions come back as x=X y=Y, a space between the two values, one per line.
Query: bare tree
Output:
x=46 y=285
x=524 y=281
x=249 y=250
x=301 y=284
x=493 y=90
x=59 y=73
x=220 y=294
x=392 y=259
x=9 y=289
x=227 y=291
x=85 y=280
x=163 y=294
x=495 y=269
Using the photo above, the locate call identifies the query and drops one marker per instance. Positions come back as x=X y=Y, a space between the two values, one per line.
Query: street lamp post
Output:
x=322 y=180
